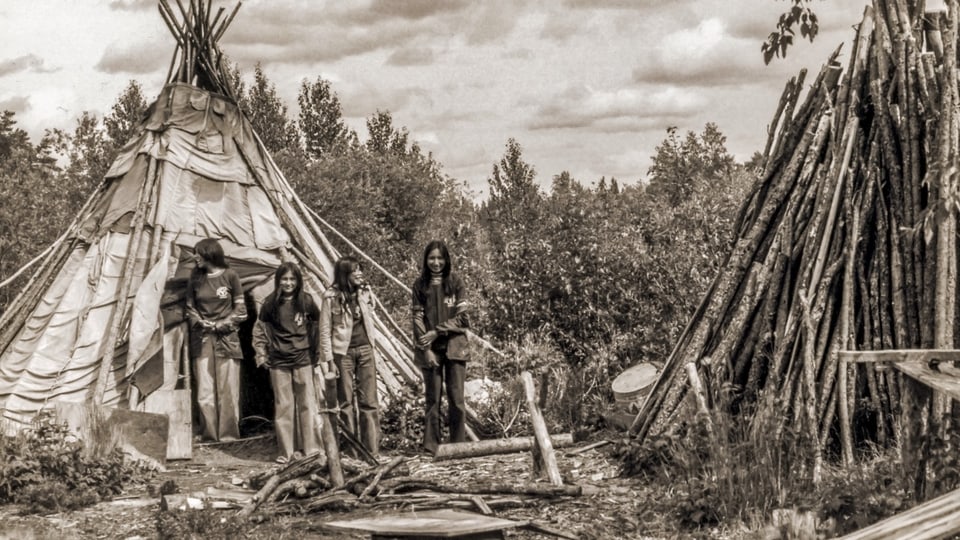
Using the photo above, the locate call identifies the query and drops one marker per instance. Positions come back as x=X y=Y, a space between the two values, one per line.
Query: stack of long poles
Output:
x=847 y=241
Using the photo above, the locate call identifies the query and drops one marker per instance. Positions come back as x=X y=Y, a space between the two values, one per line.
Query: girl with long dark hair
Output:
x=285 y=340
x=440 y=324
x=347 y=335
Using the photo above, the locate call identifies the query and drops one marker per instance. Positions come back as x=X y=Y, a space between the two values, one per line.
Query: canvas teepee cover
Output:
x=104 y=308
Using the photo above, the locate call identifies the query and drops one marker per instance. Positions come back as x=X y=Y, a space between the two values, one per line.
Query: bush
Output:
x=46 y=468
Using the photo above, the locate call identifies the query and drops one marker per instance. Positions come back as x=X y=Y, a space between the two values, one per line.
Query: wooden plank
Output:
x=901 y=355
x=936 y=518
x=946 y=381
x=142 y=435
x=444 y=523
x=176 y=405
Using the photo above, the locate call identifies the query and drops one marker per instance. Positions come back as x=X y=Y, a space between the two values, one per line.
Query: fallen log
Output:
x=491 y=447
x=405 y=483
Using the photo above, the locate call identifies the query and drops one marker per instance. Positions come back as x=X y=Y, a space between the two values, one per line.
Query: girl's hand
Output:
x=207 y=325
x=426 y=339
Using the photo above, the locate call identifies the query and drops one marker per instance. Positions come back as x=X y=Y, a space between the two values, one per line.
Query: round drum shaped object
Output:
x=634 y=383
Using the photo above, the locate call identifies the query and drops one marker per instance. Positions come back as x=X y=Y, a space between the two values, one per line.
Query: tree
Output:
x=782 y=38
x=321 y=119
x=383 y=138
x=513 y=191
x=268 y=114
x=128 y=113
x=680 y=167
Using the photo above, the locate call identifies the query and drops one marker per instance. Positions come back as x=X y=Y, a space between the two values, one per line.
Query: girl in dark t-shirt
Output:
x=214 y=308
x=285 y=339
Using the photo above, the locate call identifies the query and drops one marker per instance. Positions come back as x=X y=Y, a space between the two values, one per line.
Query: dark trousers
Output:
x=358 y=379
x=453 y=372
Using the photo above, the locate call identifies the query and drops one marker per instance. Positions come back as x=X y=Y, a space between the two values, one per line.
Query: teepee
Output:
x=101 y=320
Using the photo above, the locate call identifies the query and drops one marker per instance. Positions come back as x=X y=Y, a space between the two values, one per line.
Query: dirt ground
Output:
x=610 y=507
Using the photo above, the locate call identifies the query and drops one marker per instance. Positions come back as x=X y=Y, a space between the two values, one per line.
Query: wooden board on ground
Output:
x=142 y=434
x=175 y=404
x=430 y=524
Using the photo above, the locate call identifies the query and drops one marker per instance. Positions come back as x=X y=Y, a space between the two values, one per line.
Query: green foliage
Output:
x=781 y=39
x=46 y=468
x=321 y=119
x=268 y=114
x=128 y=114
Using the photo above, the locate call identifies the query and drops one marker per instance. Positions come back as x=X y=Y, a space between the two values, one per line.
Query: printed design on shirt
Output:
x=223 y=292
x=298 y=319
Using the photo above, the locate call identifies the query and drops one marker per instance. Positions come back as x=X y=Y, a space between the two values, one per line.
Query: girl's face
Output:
x=435 y=261
x=200 y=262
x=288 y=283
x=356 y=278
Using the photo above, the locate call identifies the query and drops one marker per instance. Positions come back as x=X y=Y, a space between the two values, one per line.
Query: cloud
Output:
x=17 y=104
x=417 y=9
x=29 y=62
x=703 y=56
x=132 y=5
x=628 y=109
x=138 y=58
x=411 y=56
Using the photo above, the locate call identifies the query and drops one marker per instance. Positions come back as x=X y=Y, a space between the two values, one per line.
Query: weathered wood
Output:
x=540 y=433
x=902 y=356
x=931 y=520
x=329 y=430
x=408 y=483
x=176 y=405
x=489 y=447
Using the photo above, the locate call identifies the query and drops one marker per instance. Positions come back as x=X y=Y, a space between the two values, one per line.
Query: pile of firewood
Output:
x=847 y=242
x=303 y=486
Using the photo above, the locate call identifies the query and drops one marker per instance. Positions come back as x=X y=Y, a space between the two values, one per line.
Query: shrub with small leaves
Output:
x=46 y=468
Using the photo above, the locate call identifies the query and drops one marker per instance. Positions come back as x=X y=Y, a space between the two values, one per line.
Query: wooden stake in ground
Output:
x=329 y=430
x=540 y=432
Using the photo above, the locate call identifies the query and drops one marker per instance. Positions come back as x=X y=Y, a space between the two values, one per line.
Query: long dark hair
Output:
x=273 y=300
x=211 y=252
x=290 y=268
x=341 y=275
x=423 y=282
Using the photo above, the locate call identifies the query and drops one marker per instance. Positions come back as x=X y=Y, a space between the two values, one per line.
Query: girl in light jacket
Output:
x=347 y=343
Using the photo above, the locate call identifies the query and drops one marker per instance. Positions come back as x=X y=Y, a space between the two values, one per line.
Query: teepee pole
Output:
x=126 y=279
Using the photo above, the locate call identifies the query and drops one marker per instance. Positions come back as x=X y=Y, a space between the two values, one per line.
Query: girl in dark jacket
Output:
x=440 y=327
x=285 y=340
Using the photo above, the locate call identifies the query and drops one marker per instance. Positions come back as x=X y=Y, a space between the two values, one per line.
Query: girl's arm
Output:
x=417 y=317
x=262 y=335
x=324 y=334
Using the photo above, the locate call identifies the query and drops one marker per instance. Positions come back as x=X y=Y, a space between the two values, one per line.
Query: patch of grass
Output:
x=200 y=524
x=737 y=472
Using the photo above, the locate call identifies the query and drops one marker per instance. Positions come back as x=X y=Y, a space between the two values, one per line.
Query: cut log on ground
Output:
x=491 y=447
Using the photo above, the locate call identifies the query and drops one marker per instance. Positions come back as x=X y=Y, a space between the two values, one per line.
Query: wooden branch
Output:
x=540 y=432
x=902 y=356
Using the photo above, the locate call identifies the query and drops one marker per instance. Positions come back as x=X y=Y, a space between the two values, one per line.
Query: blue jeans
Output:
x=453 y=372
x=358 y=380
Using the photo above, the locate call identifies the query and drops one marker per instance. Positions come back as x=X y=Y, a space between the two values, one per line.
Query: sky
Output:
x=584 y=86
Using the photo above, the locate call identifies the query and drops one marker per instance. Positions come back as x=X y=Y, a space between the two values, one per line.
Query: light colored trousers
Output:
x=218 y=393
x=295 y=409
